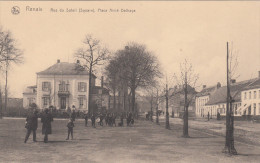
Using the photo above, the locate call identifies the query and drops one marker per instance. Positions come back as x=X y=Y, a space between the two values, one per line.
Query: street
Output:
x=144 y=142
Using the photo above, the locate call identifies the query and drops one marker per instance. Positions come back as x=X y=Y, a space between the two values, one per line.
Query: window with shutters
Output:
x=46 y=86
x=82 y=87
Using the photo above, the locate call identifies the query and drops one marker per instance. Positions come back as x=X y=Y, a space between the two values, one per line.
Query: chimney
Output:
x=102 y=81
x=78 y=62
x=58 y=61
x=259 y=74
x=204 y=86
x=218 y=85
x=233 y=81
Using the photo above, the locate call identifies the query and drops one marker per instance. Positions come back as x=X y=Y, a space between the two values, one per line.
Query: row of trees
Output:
x=9 y=54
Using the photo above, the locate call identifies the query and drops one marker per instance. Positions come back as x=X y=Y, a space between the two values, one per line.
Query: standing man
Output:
x=31 y=125
x=208 y=116
x=73 y=114
x=86 y=119
x=93 y=120
x=46 y=124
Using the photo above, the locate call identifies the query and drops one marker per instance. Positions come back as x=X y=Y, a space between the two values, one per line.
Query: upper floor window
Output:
x=63 y=86
x=245 y=96
x=254 y=94
x=249 y=95
x=82 y=87
x=46 y=86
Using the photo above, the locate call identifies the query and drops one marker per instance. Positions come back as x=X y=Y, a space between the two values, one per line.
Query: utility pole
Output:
x=167 y=124
x=229 y=144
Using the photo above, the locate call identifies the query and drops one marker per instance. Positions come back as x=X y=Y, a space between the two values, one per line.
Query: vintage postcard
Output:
x=130 y=81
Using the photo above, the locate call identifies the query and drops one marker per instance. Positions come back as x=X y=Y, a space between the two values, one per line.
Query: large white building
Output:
x=244 y=97
x=250 y=99
x=62 y=86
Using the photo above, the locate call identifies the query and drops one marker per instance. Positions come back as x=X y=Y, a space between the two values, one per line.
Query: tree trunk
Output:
x=133 y=100
x=1 y=110
x=90 y=92
x=167 y=123
x=151 y=118
x=6 y=91
x=114 y=99
x=185 y=113
x=157 y=116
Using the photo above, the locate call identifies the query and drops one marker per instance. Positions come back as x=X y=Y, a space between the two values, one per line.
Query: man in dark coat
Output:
x=86 y=120
x=73 y=114
x=46 y=124
x=93 y=120
x=31 y=125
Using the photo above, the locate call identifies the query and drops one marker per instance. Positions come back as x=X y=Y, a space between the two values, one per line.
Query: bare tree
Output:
x=9 y=54
x=138 y=68
x=187 y=81
x=91 y=55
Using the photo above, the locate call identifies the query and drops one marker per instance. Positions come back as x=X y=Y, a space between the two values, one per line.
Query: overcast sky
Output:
x=174 y=31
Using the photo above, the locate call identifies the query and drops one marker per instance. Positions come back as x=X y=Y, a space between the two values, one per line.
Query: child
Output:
x=70 y=126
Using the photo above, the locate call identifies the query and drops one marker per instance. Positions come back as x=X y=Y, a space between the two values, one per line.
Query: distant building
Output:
x=29 y=96
x=250 y=99
x=176 y=101
x=202 y=98
x=63 y=85
x=217 y=101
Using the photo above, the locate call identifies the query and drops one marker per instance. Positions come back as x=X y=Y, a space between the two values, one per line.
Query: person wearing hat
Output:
x=46 y=124
x=70 y=126
x=31 y=125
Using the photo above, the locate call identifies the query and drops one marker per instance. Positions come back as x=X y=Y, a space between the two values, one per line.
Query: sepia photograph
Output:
x=130 y=81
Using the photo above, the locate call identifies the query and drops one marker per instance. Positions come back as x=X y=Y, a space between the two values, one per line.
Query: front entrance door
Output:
x=63 y=102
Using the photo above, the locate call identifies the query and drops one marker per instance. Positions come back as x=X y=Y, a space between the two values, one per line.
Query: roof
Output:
x=254 y=85
x=220 y=95
x=206 y=91
x=65 y=68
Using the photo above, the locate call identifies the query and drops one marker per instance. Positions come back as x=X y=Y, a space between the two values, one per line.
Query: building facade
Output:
x=29 y=96
x=62 y=85
x=202 y=98
x=218 y=99
x=250 y=99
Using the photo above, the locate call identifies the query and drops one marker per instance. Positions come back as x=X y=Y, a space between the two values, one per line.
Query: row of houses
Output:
x=212 y=100
x=245 y=96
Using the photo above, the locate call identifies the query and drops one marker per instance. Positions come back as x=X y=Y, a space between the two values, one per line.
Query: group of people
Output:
x=31 y=123
x=110 y=119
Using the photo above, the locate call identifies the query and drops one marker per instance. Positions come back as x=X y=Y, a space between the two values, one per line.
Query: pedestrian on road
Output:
x=73 y=114
x=31 y=125
x=46 y=124
x=86 y=120
x=208 y=116
x=101 y=120
x=93 y=120
x=70 y=126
